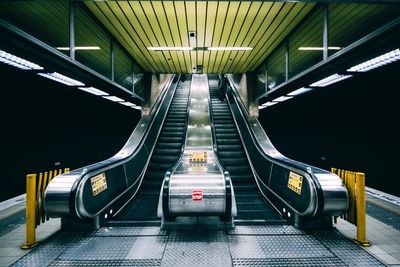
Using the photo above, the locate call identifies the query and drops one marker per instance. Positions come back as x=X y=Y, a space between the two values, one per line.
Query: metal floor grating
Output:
x=383 y=215
x=10 y=223
x=261 y=245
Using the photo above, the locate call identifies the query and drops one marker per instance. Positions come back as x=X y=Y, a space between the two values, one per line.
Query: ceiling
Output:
x=141 y=24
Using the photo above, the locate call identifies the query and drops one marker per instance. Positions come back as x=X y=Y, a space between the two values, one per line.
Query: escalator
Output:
x=167 y=151
x=251 y=205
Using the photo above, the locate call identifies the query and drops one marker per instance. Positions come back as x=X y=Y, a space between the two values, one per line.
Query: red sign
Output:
x=197 y=195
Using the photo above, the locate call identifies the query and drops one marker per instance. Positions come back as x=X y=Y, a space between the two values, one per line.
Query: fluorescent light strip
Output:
x=230 y=48
x=93 y=91
x=137 y=107
x=114 y=98
x=18 y=62
x=316 y=48
x=300 y=91
x=261 y=107
x=377 y=62
x=169 y=48
x=282 y=98
x=128 y=104
x=66 y=48
x=268 y=104
x=330 y=80
x=55 y=76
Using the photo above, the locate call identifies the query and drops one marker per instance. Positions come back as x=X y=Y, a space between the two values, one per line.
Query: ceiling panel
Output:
x=140 y=24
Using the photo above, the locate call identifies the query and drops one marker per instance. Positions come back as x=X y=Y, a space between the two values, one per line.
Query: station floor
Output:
x=261 y=245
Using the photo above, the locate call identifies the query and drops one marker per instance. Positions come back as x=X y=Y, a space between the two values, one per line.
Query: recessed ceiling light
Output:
x=169 y=48
x=128 y=104
x=376 y=62
x=316 y=48
x=300 y=91
x=282 y=98
x=330 y=80
x=93 y=91
x=18 y=62
x=66 y=48
x=230 y=48
x=114 y=98
x=55 y=76
x=268 y=104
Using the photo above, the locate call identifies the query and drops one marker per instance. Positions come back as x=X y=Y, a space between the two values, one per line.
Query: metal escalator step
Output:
x=171 y=134
x=166 y=151
x=228 y=147
x=164 y=159
x=238 y=170
x=228 y=136
x=167 y=139
x=224 y=141
x=229 y=125
x=225 y=131
x=227 y=162
x=231 y=154
x=169 y=145
x=157 y=166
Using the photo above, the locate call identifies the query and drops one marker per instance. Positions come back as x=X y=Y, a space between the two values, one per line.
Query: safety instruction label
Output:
x=99 y=183
x=295 y=182
x=197 y=195
x=198 y=157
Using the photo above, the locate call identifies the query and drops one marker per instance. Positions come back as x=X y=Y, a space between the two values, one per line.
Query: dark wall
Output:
x=352 y=125
x=44 y=122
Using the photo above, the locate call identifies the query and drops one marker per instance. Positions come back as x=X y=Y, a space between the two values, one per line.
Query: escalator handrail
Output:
x=65 y=191
x=270 y=153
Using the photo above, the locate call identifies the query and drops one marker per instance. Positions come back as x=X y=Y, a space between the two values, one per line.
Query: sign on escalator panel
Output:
x=295 y=182
x=99 y=183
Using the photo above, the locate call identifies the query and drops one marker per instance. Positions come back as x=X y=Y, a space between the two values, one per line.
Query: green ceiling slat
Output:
x=223 y=9
x=260 y=25
x=131 y=47
x=295 y=16
x=121 y=11
x=210 y=23
x=191 y=25
x=182 y=24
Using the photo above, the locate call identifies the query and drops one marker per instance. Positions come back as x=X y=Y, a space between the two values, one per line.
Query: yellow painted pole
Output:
x=30 y=212
x=361 y=209
x=45 y=182
x=352 y=184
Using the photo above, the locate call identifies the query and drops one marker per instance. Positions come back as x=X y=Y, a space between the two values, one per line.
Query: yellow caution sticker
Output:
x=198 y=157
x=295 y=182
x=99 y=183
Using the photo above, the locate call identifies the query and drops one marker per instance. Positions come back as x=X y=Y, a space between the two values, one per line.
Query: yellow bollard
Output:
x=30 y=212
x=361 y=210
x=351 y=188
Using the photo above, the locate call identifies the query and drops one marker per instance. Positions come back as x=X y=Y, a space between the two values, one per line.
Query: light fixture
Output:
x=268 y=104
x=261 y=107
x=18 y=62
x=317 y=48
x=128 y=104
x=330 y=80
x=282 y=98
x=169 y=48
x=230 y=48
x=114 y=98
x=93 y=91
x=376 y=62
x=300 y=91
x=66 y=48
x=55 y=76
x=137 y=107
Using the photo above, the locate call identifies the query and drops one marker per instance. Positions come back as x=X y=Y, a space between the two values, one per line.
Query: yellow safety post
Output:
x=351 y=188
x=30 y=212
x=361 y=209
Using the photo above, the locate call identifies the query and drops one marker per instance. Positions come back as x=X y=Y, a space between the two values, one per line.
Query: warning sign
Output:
x=197 y=195
x=198 y=157
x=99 y=183
x=295 y=182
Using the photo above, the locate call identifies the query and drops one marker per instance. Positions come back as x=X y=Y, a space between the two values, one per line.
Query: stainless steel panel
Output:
x=197 y=184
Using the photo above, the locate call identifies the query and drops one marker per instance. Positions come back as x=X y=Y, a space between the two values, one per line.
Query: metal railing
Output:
x=35 y=213
x=356 y=213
